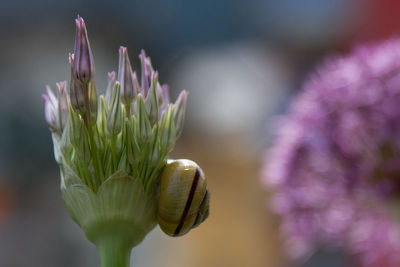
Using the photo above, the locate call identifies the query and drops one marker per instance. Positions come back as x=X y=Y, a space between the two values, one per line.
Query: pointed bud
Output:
x=129 y=89
x=168 y=131
x=110 y=85
x=132 y=151
x=76 y=93
x=179 y=112
x=62 y=104
x=146 y=70
x=83 y=68
x=136 y=82
x=115 y=118
x=143 y=123
x=51 y=110
x=152 y=99
x=164 y=99
x=83 y=89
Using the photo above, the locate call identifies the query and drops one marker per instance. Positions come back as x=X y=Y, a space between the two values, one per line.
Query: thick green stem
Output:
x=114 y=251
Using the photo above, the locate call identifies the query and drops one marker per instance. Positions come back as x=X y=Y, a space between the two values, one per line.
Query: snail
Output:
x=184 y=198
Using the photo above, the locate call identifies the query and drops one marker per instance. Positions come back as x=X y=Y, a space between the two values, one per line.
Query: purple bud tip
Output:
x=83 y=66
x=122 y=49
x=142 y=54
x=71 y=58
x=155 y=75
x=183 y=95
x=61 y=87
x=111 y=75
x=45 y=98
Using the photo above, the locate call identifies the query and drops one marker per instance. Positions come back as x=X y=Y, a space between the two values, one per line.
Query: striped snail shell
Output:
x=184 y=198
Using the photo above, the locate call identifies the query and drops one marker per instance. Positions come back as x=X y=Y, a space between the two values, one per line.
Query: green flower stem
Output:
x=114 y=251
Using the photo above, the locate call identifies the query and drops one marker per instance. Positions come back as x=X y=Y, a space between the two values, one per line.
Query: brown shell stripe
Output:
x=188 y=202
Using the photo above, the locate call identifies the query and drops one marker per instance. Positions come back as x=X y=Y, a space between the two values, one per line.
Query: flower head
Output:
x=334 y=167
x=111 y=155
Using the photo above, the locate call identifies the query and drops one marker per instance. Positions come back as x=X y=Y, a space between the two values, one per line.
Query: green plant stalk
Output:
x=114 y=251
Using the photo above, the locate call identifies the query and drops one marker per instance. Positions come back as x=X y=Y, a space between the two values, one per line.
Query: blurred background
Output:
x=240 y=61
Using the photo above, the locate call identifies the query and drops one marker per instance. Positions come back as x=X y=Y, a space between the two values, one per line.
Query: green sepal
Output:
x=152 y=100
x=167 y=130
x=56 y=148
x=114 y=122
x=143 y=123
x=102 y=119
x=119 y=202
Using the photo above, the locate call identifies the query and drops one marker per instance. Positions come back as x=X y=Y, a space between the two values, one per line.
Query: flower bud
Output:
x=168 y=131
x=114 y=122
x=152 y=99
x=76 y=93
x=110 y=85
x=179 y=112
x=82 y=89
x=143 y=122
x=51 y=110
x=83 y=67
x=163 y=92
x=62 y=104
x=129 y=89
x=146 y=70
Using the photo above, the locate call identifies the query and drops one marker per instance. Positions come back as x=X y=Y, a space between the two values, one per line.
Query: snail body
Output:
x=184 y=197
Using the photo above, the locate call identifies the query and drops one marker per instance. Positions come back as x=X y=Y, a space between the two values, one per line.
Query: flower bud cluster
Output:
x=111 y=148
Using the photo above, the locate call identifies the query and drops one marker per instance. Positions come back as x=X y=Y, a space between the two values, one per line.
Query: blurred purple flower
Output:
x=334 y=167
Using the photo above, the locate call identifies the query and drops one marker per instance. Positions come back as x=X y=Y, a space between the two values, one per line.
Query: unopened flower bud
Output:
x=51 y=109
x=110 y=85
x=164 y=99
x=168 y=131
x=83 y=67
x=62 y=104
x=143 y=122
x=115 y=117
x=146 y=69
x=76 y=93
x=152 y=99
x=129 y=89
x=83 y=89
x=179 y=112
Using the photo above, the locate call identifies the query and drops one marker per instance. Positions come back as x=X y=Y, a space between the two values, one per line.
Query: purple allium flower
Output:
x=334 y=167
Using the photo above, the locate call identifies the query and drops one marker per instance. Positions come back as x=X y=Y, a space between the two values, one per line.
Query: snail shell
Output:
x=184 y=198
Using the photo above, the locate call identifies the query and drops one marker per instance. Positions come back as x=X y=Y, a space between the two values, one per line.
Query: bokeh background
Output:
x=240 y=61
